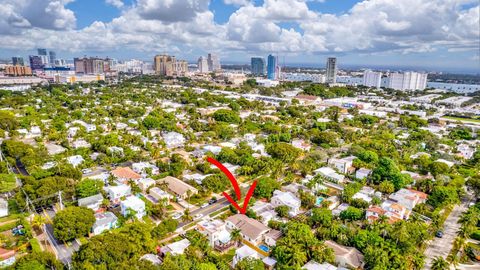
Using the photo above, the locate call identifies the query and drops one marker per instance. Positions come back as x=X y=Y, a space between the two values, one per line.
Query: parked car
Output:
x=177 y=215
x=197 y=216
x=204 y=205
x=439 y=234
x=212 y=201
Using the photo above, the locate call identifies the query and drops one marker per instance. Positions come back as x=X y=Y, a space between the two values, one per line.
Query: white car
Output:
x=204 y=205
x=177 y=215
x=198 y=216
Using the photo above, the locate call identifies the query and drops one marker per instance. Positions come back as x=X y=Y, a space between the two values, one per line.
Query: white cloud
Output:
x=115 y=3
x=171 y=10
x=237 y=2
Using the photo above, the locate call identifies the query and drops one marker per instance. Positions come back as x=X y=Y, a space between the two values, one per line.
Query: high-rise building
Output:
x=407 y=81
x=372 y=79
x=164 y=65
x=258 y=66
x=36 y=62
x=331 y=70
x=52 y=57
x=213 y=62
x=181 y=67
x=17 y=61
x=272 y=67
x=91 y=65
x=42 y=51
x=202 y=64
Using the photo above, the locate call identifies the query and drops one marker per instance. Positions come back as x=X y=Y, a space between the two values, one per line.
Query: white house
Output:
x=159 y=194
x=173 y=139
x=362 y=173
x=81 y=144
x=176 y=248
x=251 y=230
x=280 y=198
x=216 y=233
x=145 y=183
x=272 y=236
x=343 y=165
x=75 y=160
x=143 y=167
x=93 y=202
x=133 y=203
x=116 y=192
x=330 y=174
x=104 y=222
x=244 y=252
x=3 y=207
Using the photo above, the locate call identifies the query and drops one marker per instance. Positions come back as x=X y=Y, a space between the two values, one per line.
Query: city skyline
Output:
x=440 y=36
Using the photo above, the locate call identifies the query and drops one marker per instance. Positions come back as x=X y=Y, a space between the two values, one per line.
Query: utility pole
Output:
x=60 y=200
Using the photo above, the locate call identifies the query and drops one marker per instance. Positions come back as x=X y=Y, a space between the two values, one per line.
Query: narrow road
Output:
x=441 y=246
x=221 y=203
x=63 y=251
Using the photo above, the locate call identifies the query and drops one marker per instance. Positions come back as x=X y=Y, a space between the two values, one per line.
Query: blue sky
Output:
x=440 y=35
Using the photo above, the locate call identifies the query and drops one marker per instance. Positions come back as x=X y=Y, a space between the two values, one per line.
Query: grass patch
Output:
x=35 y=245
x=219 y=211
x=471 y=120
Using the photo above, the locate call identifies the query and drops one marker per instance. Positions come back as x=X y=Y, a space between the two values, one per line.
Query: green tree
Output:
x=386 y=187
x=322 y=217
x=352 y=213
x=439 y=263
x=250 y=264
x=437 y=168
x=265 y=187
x=282 y=210
x=228 y=116
x=283 y=151
x=38 y=261
x=7 y=182
x=88 y=187
x=73 y=222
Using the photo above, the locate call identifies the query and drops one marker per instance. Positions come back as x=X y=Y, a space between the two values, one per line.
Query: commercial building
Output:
x=35 y=62
x=273 y=69
x=258 y=66
x=331 y=70
x=167 y=65
x=407 y=81
x=52 y=57
x=17 y=61
x=17 y=71
x=91 y=65
x=202 y=64
x=372 y=79
x=213 y=62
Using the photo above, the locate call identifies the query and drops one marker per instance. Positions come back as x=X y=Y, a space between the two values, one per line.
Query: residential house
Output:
x=125 y=174
x=330 y=174
x=264 y=211
x=54 y=149
x=362 y=173
x=176 y=248
x=313 y=265
x=271 y=237
x=115 y=150
x=133 y=203
x=104 y=222
x=75 y=161
x=343 y=165
x=301 y=144
x=3 y=207
x=81 y=143
x=117 y=192
x=93 y=202
x=367 y=194
x=244 y=252
x=466 y=151
x=280 y=198
x=173 y=139
x=346 y=256
x=144 y=167
x=159 y=194
x=448 y=163
x=146 y=183
x=178 y=187
x=339 y=209
x=251 y=230
x=409 y=198
x=216 y=233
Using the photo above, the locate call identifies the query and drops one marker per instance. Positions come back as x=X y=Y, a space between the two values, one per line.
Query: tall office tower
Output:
x=258 y=66
x=52 y=56
x=17 y=61
x=42 y=52
x=202 y=64
x=372 y=79
x=90 y=65
x=181 y=67
x=331 y=70
x=213 y=62
x=36 y=62
x=164 y=65
x=407 y=81
x=272 y=68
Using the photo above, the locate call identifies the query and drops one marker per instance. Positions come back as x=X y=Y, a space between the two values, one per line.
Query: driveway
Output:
x=442 y=246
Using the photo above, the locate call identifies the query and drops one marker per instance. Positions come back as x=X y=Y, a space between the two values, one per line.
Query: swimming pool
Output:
x=264 y=248
x=319 y=201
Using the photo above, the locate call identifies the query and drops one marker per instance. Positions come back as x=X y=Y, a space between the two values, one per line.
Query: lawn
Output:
x=471 y=120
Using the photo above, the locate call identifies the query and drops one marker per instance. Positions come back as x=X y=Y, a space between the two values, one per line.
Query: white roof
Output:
x=133 y=202
x=245 y=251
x=178 y=247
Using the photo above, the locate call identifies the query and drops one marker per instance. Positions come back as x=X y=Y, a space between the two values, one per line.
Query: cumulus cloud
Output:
x=407 y=26
x=171 y=10
x=237 y=2
x=115 y=3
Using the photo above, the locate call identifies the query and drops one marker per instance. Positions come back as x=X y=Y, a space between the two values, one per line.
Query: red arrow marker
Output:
x=234 y=182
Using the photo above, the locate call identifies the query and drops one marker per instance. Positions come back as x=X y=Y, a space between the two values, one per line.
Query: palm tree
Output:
x=38 y=221
x=236 y=236
x=454 y=260
x=439 y=263
x=186 y=216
